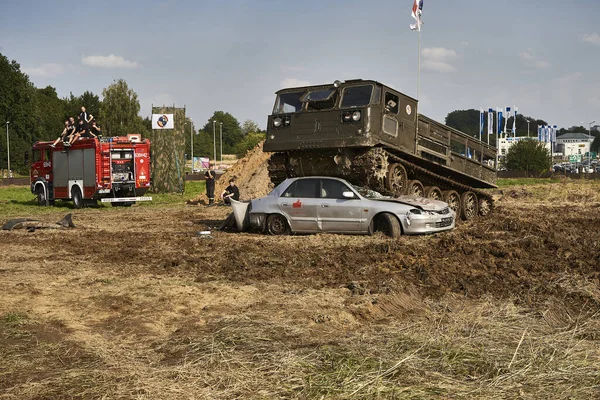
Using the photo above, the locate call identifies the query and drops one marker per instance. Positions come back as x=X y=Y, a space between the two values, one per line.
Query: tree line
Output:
x=39 y=113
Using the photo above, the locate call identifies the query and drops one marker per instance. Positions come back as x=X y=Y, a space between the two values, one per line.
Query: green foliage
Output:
x=249 y=142
x=527 y=155
x=250 y=126
x=119 y=109
x=232 y=132
x=467 y=121
x=596 y=144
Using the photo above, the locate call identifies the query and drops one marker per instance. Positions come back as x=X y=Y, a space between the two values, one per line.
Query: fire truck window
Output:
x=37 y=155
x=391 y=103
x=48 y=156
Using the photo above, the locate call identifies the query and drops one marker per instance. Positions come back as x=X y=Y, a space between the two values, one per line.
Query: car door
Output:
x=299 y=204
x=336 y=212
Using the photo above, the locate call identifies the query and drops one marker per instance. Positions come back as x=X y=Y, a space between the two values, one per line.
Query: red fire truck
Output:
x=114 y=169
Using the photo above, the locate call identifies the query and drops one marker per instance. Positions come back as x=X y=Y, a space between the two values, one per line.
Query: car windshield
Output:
x=357 y=96
x=368 y=193
x=319 y=95
x=288 y=103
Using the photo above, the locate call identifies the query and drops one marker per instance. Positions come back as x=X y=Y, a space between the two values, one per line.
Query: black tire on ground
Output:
x=433 y=192
x=415 y=187
x=453 y=199
x=387 y=224
x=469 y=205
x=277 y=225
x=77 y=197
x=396 y=179
x=41 y=196
x=485 y=206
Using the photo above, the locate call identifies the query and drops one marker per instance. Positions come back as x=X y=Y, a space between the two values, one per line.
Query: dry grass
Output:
x=246 y=316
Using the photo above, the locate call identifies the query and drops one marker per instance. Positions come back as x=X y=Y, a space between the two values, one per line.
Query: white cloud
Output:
x=110 y=61
x=293 y=82
x=45 y=71
x=592 y=38
x=532 y=61
x=438 y=59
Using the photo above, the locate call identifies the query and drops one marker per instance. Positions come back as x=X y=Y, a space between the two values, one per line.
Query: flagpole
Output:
x=419 y=65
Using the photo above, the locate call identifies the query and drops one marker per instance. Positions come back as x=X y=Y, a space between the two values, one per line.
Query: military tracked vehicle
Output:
x=372 y=135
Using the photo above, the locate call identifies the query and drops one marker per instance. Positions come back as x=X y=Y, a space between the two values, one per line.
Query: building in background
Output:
x=572 y=143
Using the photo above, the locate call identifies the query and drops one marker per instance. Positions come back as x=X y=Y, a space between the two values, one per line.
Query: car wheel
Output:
x=469 y=205
x=396 y=179
x=277 y=225
x=387 y=224
x=433 y=193
x=77 y=197
x=415 y=188
x=485 y=206
x=41 y=196
x=453 y=199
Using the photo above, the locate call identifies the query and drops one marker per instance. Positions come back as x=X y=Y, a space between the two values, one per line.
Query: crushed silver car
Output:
x=325 y=204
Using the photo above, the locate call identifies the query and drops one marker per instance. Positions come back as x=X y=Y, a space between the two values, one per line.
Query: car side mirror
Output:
x=348 y=195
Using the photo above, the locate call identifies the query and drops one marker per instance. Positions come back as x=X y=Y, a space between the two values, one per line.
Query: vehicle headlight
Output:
x=356 y=116
x=287 y=121
x=272 y=137
x=277 y=122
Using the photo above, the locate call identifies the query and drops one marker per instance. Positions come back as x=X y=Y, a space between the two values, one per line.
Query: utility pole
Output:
x=8 y=148
x=214 y=145
x=221 y=135
x=192 y=143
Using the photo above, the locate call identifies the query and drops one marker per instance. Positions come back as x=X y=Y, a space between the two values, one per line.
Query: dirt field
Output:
x=134 y=304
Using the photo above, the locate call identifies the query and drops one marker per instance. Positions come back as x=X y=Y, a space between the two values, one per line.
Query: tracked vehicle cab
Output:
x=350 y=114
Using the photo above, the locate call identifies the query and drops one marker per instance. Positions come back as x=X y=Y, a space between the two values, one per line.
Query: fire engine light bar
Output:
x=123 y=199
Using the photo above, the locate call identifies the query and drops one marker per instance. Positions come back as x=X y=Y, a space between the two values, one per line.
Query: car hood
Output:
x=418 y=202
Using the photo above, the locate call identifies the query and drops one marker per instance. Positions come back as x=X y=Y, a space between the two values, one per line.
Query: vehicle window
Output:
x=357 y=96
x=391 y=102
x=288 y=103
x=331 y=189
x=319 y=95
x=304 y=188
x=37 y=155
x=48 y=155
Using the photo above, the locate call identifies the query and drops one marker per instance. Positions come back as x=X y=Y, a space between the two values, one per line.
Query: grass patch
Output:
x=14 y=318
x=525 y=181
x=18 y=201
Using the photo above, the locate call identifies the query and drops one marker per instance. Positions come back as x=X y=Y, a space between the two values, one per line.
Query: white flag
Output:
x=417 y=11
x=163 y=121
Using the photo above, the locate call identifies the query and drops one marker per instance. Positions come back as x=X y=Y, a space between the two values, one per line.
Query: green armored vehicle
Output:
x=372 y=135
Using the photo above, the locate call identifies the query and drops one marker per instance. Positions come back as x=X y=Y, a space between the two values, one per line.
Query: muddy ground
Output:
x=133 y=303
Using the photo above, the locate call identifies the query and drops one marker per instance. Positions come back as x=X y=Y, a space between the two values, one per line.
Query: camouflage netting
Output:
x=168 y=153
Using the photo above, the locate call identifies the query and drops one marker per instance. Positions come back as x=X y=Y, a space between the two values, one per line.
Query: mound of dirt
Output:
x=250 y=173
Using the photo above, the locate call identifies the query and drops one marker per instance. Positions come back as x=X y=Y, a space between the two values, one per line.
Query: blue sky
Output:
x=541 y=55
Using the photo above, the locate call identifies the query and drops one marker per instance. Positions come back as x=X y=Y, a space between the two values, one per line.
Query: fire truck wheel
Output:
x=41 y=196
x=77 y=197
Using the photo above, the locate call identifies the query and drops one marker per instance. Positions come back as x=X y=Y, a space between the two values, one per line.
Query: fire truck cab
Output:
x=113 y=169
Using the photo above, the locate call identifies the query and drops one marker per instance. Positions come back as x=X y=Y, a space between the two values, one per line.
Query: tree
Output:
x=249 y=126
x=467 y=121
x=528 y=155
x=119 y=109
x=51 y=112
x=232 y=133
x=249 y=142
x=596 y=144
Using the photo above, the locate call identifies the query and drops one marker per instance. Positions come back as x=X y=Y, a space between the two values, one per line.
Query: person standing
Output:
x=210 y=186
